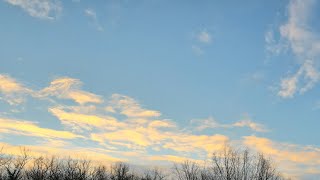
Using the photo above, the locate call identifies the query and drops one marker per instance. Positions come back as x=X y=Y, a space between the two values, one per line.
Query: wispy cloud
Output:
x=204 y=37
x=43 y=9
x=93 y=15
x=211 y=123
x=131 y=108
x=13 y=91
x=297 y=35
x=69 y=88
x=27 y=128
x=201 y=39
x=82 y=121
x=303 y=80
x=10 y=85
x=273 y=45
x=298 y=159
x=197 y=49
x=94 y=154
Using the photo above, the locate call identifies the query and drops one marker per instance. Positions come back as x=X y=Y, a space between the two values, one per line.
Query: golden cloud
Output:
x=28 y=128
x=69 y=88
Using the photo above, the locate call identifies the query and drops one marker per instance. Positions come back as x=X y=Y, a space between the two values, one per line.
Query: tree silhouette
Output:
x=227 y=164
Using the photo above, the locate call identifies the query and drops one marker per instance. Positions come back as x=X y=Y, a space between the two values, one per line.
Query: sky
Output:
x=156 y=81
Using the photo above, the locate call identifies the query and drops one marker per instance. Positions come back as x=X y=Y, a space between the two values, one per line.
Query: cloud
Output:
x=13 y=91
x=123 y=135
x=198 y=50
x=204 y=37
x=43 y=9
x=80 y=122
x=131 y=108
x=283 y=151
x=290 y=85
x=94 y=154
x=69 y=88
x=201 y=124
x=272 y=45
x=120 y=126
x=10 y=85
x=201 y=39
x=172 y=158
x=93 y=15
x=27 y=128
x=250 y=124
x=297 y=35
x=195 y=144
x=295 y=160
x=162 y=123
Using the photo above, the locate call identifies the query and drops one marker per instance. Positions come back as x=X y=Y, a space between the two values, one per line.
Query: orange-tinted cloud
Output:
x=69 y=88
x=27 y=128
x=130 y=107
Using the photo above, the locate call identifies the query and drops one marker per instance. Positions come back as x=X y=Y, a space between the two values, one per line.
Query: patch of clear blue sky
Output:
x=145 y=51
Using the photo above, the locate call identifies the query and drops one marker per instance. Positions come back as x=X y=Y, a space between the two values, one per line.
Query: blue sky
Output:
x=247 y=73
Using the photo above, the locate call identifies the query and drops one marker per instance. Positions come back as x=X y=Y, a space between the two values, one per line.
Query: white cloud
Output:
x=201 y=124
x=93 y=15
x=197 y=50
x=209 y=123
x=204 y=37
x=272 y=45
x=297 y=35
x=43 y=9
x=250 y=124
x=201 y=40
x=303 y=80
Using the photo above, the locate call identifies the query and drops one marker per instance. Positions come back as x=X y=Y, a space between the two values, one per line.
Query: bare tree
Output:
x=100 y=173
x=227 y=164
x=76 y=169
x=231 y=164
x=187 y=170
x=3 y=161
x=207 y=174
x=55 y=169
x=154 y=174
x=15 y=165
x=39 y=169
x=265 y=170
x=121 y=171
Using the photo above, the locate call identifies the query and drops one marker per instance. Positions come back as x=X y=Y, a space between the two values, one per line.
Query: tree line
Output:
x=228 y=164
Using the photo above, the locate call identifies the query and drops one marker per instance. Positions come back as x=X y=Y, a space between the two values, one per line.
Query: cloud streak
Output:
x=27 y=128
x=93 y=15
x=204 y=37
x=297 y=36
x=211 y=123
x=43 y=9
x=69 y=88
x=14 y=92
